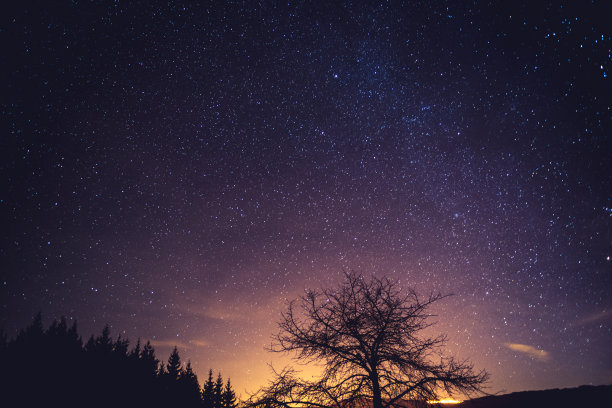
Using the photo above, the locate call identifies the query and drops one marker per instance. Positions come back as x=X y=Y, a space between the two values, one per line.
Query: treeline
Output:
x=52 y=367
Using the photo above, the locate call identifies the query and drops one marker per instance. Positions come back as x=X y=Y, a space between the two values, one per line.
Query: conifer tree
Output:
x=63 y=339
x=229 y=396
x=149 y=363
x=33 y=334
x=173 y=368
x=189 y=376
x=57 y=329
x=218 y=392
x=104 y=343
x=73 y=335
x=208 y=391
x=134 y=354
x=101 y=345
x=120 y=347
x=190 y=387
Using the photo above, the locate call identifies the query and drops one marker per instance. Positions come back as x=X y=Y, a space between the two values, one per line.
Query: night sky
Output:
x=180 y=171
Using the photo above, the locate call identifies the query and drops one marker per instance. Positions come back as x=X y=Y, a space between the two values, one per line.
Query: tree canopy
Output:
x=369 y=334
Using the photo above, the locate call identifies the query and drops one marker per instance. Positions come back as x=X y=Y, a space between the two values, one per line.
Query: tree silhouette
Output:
x=228 y=398
x=148 y=361
x=208 y=391
x=173 y=368
x=189 y=386
x=218 y=392
x=103 y=373
x=368 y=334
x=101 y=345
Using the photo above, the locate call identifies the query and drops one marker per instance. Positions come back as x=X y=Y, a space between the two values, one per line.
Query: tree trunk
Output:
x=376 y=397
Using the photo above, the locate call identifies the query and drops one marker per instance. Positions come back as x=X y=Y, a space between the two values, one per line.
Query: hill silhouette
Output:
x=583 y=396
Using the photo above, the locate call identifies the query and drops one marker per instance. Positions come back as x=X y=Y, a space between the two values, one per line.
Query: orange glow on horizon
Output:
x=445 y=401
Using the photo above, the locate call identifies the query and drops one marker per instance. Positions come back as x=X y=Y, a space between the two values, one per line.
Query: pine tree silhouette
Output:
x=149 y=363
x=228 y=396
x=134 y=354
x=103 y=373
x=218 y=392
x=173 y=368
x=208 y=391
x=190 y=387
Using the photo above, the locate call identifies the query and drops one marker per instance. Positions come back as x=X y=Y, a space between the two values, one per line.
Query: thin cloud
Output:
x=181 y=345
x=200 y=343
x=531 y=351
x=596 y=317
x=169 y=343
x=234 y=310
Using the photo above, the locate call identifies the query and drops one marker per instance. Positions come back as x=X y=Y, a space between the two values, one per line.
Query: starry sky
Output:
x=180 y=171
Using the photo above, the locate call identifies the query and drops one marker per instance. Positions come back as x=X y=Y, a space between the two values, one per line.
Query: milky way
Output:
x=180 y=171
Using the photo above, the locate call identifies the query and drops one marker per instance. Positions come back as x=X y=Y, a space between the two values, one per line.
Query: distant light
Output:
x=445 y=401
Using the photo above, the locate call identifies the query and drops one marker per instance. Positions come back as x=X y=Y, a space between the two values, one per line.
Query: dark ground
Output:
x=583 y=396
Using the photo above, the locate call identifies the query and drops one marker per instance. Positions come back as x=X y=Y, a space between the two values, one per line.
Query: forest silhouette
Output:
x=52 y=367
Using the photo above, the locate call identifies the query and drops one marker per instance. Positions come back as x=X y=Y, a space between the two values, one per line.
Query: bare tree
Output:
x=368 y=334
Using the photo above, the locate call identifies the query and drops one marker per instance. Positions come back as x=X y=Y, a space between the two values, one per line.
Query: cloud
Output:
x=596 y=317
x=181 y=345
x=200 y=343
x=169 y=343
x=531 y=351
x=237 y=310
